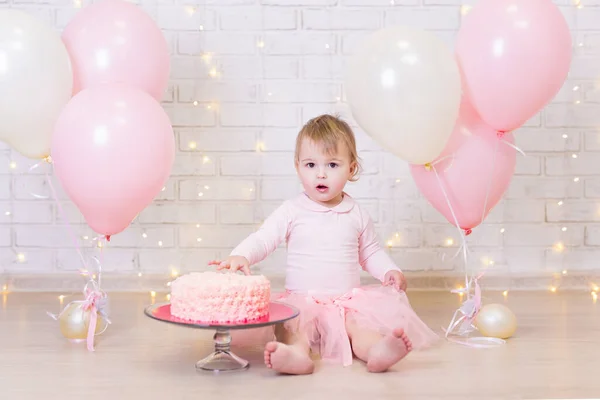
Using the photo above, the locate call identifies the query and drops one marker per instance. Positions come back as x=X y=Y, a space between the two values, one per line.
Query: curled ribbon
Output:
x=95 y=302
x=471 y=306
x=95 y=299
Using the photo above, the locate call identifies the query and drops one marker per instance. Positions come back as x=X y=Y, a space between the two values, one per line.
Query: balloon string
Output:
x=85 y=271
x=490 y=180
x=461 y=233
x=514 y=147
x=471 y=305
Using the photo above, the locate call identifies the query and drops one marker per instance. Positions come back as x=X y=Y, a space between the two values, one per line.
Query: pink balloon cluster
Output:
x=113 y=145
x=514 y=56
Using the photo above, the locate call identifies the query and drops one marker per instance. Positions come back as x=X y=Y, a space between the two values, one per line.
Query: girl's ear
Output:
x=353 y=169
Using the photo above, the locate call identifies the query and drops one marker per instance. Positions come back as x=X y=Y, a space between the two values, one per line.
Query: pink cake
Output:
x=215 y=297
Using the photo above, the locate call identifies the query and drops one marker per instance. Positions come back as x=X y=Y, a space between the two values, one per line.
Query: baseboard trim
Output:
x=71 y=283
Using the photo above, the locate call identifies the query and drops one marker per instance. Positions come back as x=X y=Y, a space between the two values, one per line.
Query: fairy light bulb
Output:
x=465 y=8
x=560 y=203
x=213 y=72
x=574 y=155
x=553 y=289
x=205 y=159
x=206 y=57
x=61 y=298
x=449 y=242
x=153 y=294
x=21 y=257
x=260 y=44
x=565 y=136
x=144 y=235
x=195 y=103
x=160 y=243
x=12 y=165
x=174 y=273
x=140 y=274
x=77 y=3
x=558 y=247
x=390 y=243
x=564 y=272
x=190 y=10
x=192 y=145
x=502 y=230
x=505 y=293
x=576 y=179
x=564 y=229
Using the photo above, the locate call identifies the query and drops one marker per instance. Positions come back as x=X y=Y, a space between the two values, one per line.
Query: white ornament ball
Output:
x=496 y=320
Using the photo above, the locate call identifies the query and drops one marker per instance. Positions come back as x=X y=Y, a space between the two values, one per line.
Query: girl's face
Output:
x=323 y=176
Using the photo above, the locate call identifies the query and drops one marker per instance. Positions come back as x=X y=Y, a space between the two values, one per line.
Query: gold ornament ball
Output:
x=496 y=320
x=74 y=322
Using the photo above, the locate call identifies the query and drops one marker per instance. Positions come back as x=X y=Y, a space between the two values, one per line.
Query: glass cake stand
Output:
x=223 y=359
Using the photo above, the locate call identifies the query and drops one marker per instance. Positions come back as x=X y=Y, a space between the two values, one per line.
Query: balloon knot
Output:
x=108 y=238
x=468 y=232
x=428 y=167
x=500 y=134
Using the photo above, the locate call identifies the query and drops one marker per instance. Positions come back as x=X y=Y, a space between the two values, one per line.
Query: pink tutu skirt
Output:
x=378 y=308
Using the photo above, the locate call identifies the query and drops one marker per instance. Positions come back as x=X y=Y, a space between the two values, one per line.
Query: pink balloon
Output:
x=514 y=56
x=473 y=156
x=114 y=41
x=113 y=148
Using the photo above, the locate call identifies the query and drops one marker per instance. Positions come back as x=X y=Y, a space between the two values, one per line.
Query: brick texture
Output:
x=245 y=75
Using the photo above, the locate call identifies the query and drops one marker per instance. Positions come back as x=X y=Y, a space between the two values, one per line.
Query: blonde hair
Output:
x=329 y=131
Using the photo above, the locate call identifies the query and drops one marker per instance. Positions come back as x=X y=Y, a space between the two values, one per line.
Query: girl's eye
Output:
x=310 y=165
x=333 y=165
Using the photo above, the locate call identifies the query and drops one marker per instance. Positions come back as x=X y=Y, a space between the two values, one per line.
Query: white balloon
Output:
x=404 y=89
x=36 y=81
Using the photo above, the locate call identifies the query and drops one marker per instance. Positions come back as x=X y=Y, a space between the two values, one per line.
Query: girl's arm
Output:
x=372 y=257
x=267 y=238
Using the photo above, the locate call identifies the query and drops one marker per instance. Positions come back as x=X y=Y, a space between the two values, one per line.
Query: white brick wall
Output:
x=246 y=74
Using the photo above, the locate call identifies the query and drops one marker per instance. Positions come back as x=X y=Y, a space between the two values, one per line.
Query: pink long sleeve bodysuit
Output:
x=326 y=247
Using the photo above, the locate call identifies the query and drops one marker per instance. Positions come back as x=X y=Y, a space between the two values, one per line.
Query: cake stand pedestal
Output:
x=223 y=359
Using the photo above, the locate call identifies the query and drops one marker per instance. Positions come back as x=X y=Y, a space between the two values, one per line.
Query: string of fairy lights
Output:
x=195 y=149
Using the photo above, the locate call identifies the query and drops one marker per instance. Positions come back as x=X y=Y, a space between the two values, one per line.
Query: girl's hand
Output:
x=395 y=278
x=234 y=263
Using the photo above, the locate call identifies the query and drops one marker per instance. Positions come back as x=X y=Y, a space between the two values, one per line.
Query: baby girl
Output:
x=330 y=238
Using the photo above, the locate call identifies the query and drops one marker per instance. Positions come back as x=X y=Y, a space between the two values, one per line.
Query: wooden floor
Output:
x=555 y=354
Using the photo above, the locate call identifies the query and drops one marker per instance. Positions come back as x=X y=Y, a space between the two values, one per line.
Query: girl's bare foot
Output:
x=287 y=359
x=388 y=351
